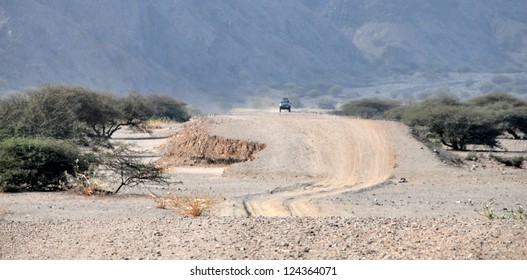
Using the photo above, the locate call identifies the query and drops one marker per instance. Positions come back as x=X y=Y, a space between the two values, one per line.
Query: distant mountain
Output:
x=203 y=51
x=409 y=35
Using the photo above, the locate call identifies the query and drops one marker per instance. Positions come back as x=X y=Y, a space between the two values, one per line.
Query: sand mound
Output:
x=195 y=146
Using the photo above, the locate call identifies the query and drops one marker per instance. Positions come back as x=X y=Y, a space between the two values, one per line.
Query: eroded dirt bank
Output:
x=194 y=146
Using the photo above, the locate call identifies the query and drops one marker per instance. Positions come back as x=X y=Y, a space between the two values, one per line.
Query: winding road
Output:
x=342 y=154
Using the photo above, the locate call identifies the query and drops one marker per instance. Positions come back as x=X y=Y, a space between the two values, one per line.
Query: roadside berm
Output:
x=194 y=146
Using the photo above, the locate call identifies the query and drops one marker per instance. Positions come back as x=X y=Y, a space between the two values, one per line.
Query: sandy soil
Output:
x=325 y=187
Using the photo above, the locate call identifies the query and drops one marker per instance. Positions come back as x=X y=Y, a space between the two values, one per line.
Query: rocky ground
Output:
x=323 y=187
x=262 y=238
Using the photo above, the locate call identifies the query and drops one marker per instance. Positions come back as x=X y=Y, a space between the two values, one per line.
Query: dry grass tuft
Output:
x=515 y=214
x=87 y=187
x=190 y=205
x=161 y=201
x=154 y=123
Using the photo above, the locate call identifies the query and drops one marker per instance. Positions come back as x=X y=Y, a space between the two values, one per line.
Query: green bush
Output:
x=39 y=164
x=369 y=107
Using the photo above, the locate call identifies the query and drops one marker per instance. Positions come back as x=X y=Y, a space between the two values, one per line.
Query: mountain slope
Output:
x=174 y=46
x=221 y=51
x=479 y=35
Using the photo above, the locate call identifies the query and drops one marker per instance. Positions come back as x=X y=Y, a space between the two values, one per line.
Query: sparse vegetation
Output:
x=472 y=156
x=512 y=161
x=454 y=124
x=369 y=107
x=153 y=123
x=85 y=183
x=190 y=205
x=130 y=170
x=517 y=214
x=167 y=108
x=161 y=201
x=488 y=212
x=451 y=122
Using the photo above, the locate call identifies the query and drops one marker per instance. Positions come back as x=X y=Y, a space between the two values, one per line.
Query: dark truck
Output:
x=285 y=104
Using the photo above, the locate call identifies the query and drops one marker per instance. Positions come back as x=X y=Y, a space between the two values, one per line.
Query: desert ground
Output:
x=323 y=187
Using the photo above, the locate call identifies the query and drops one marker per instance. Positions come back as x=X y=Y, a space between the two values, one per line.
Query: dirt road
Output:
x=348 y=154
x=324 y=165
x=326 y=155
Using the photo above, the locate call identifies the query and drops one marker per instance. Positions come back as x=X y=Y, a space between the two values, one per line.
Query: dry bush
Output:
x=190 y=205
x=86 y=185
x=161 y=201
x=93 y=188
x=154 y=123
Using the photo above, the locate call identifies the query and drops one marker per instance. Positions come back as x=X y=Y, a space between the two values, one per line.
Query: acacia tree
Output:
x=514 y=121
x=168 y=107
x=71 y=112
x=40 y=113
x=510 y=112
x=369 y=107
x=130 y=169
x=135 y=109
x=98 y=112
x=456 y=126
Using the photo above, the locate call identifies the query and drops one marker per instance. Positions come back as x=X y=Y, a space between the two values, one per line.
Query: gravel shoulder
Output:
x=324 y=187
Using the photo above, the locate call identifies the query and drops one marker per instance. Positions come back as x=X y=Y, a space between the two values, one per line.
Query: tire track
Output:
x=351 y=154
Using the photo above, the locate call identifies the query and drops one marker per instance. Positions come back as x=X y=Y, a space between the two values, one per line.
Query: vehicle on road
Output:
x=285 y=104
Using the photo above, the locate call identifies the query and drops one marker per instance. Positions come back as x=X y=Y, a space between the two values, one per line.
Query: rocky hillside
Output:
x=455 y=35
x=203 y=51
